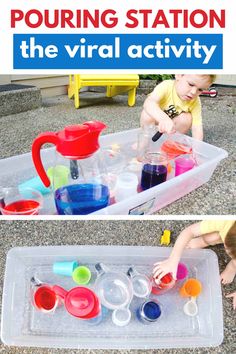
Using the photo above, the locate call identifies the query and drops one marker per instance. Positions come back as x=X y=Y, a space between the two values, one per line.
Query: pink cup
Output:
x=182 y=271
x=183 y=165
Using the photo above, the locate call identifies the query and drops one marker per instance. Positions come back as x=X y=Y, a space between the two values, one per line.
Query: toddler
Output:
x=174 y=105
x=200 y=235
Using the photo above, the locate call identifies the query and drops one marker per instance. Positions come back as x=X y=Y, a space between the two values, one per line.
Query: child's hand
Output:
x=162 y=268
x=233 y=295
x=166 y=126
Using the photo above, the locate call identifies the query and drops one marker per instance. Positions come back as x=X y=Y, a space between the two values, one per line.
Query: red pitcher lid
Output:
x=79 y=141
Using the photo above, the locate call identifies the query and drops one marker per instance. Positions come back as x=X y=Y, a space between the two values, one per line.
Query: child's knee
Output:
x=183 y=122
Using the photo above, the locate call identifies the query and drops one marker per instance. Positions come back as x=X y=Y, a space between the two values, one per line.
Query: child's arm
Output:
x=197 y=132
x=152 y=108
x=233 y=295
x=170 y=265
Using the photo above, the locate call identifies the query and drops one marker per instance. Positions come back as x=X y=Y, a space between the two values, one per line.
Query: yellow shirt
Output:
x=172 y=105
x=221 y=226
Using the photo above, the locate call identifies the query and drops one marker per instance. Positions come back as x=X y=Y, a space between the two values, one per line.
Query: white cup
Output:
x=126 y=186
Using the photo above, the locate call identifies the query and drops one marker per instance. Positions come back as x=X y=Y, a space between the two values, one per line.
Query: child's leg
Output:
x=227 y=276
x=205 y=240
x=145 y=119
x=183 y=122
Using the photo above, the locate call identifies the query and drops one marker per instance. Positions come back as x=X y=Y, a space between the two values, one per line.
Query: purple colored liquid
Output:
x=81 y=199
x=152 y=175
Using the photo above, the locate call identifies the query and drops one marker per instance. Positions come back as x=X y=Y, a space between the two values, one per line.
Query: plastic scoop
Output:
x=121 y=317
x=174 y=149
x=142 y=285
x=190 y=308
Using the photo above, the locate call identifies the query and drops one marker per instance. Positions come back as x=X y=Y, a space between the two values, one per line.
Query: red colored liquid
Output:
x=26 y=207
x=167 y=282
x=174 y=149
x=45 y=298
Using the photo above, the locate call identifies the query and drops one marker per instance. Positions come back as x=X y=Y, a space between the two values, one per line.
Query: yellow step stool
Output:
x=116 y=84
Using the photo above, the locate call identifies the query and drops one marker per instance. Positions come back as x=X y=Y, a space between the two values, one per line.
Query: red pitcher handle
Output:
x=59 y=291
x=36 y=146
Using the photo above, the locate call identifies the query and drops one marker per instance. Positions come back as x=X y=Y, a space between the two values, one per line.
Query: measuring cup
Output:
x=142 y=285
x=79 y=301
x=162 y=285
x=114 y=289
x=149 y=311
x=190 y=308
x=27 y=201
x=121 y=317
x=192 y=287
x=44 y=298
x=154 y=170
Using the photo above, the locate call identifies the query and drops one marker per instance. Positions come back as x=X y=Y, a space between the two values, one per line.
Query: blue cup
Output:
x=65 y=268
x=149 y=311
x=34 y=183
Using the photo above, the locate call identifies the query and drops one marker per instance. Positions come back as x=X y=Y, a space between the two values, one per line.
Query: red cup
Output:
x=45 y=298
x=162 y=285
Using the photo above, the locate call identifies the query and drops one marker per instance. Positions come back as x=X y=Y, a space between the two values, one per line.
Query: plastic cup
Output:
x=183 y=165
x=192 y=287
x=182 y=271
x=34 y=183
x=25 y=202
x=149 y=311
x=81 y=275
x=121 y=317
x=58 y=175
x=45 y=298
x=65 y=268
x=126 y=186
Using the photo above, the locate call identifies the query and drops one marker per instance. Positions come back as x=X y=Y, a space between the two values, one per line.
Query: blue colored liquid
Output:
x=81 y=199
x=149 y=312
x=152 y=175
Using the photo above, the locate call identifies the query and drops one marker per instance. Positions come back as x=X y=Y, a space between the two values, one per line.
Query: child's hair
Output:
x=213 y=78
x=230 y=240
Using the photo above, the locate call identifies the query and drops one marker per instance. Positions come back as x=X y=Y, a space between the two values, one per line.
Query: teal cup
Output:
x=65 y=268
x=34 y=183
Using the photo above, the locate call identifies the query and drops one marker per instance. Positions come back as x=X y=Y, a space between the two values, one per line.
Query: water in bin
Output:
x=78 y=177
x=114 y=289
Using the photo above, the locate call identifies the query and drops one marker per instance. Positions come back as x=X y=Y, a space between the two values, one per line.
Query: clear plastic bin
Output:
x=22 y=325
x=17 y=169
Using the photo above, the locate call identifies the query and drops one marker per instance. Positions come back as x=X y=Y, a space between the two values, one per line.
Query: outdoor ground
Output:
x=216 y=197
x=142 y=233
